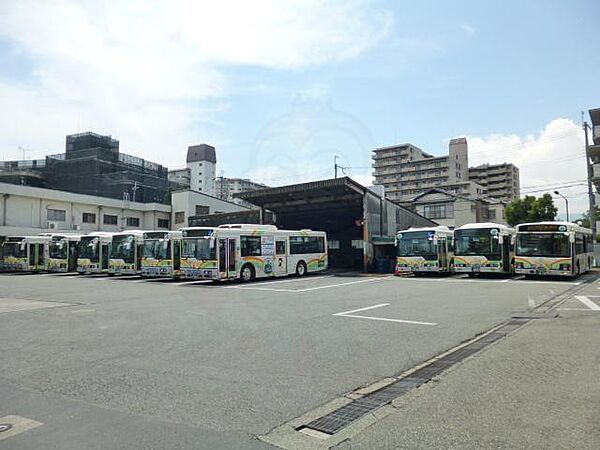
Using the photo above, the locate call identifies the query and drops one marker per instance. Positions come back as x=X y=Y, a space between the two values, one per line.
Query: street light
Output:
x=566 y=203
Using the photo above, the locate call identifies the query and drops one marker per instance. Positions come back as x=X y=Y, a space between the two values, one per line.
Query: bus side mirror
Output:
x=211 y=242
x=500 y=239
x=165 y=243
x=572 y=238
x=22 y=246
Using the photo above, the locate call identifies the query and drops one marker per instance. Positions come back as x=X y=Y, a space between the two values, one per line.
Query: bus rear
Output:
x=483 y=248
x=161 y=254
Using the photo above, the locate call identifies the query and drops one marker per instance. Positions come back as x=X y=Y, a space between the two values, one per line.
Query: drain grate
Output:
x=342 y=417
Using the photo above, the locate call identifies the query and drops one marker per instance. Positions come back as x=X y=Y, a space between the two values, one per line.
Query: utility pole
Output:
x=336 y=166
x=590 y=175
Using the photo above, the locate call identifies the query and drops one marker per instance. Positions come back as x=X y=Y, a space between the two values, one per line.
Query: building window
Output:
x=200 y=173
x=333 y=244
x=357 y=243
x=250 y=245
x=88 y=218
x=109 y=219
x=443 y=211
x=179 y=217
x=133 y=222
x=56 y=215
x=163 y=223
x=202 y=210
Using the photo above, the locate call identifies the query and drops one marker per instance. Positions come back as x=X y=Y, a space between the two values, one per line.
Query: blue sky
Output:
x=281 y=87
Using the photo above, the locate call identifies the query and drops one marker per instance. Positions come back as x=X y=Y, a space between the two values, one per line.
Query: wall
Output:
x=204 y=183
x=186 y=201
x=27 y=209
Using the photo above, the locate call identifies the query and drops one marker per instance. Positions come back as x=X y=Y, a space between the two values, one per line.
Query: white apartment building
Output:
x=406 y=171
x=500 y=181
x=227 y=188
x=31 y=210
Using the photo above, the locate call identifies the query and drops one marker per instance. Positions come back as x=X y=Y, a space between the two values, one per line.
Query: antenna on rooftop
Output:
x=23 y=150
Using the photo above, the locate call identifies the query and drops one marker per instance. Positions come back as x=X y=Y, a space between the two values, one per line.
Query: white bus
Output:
x=62 y=253
x=553 y=249
x=247 y=251
x=161 y=255
x=126 y=253
x=421 y=250
x=94 y=251
x=483 y=248
x=25 y=253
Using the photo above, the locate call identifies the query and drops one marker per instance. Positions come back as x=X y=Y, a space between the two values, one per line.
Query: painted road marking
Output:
x=487 y=280
x=265 y=283
x=587 y=302
x=18 y=425
x=383 y=319
x=328 y=286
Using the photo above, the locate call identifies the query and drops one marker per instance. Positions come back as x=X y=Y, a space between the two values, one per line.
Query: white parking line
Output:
x=328 y=286
x=383 y=319
x=268 y=283
x=587 y=302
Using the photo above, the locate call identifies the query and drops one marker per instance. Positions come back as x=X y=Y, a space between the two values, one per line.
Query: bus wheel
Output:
x=301 y=269
x=247 y=273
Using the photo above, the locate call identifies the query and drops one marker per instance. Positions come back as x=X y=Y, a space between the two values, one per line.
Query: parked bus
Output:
x=25 y=253
x=62 y=253
x=126 y=253
x=161 y=255
x=247 y=251
x=94 y=251
x=483 y=248
x=553 y=249
x=424 y=250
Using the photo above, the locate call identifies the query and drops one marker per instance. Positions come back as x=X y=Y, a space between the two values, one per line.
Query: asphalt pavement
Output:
x=105 y=362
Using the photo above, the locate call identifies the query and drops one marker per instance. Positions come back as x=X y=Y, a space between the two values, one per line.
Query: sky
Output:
x=281 y=87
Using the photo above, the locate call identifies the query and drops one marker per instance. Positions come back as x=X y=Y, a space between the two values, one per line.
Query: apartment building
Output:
x=500 y=181
x=228 y=188
x=406 y=171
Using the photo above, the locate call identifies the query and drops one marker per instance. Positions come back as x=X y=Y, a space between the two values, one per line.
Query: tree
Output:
x=531 y=209
x=584 y=221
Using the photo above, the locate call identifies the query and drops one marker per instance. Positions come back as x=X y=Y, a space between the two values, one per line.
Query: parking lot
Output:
x=208 y=365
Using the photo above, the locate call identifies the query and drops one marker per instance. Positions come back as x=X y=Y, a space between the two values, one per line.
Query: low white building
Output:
x=189 y=203
x=31 y=210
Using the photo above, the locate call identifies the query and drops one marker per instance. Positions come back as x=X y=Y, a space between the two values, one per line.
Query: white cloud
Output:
x=468 y=29
x=549 y=159
x=153 y=73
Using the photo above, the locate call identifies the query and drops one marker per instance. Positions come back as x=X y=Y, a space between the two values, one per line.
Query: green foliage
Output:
x=585 y=218
x=531 y=209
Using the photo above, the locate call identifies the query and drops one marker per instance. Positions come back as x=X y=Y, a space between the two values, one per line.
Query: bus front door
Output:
x=33 y=256
x=227 y=258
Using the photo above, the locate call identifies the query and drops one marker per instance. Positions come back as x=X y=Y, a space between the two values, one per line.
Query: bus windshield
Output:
x=417 y=243
x=543 y=244
x=58 y=249
x=14 y=249
x=88 y=248
x=199 y=248
x=482 y=242
x=157 y=248
x=123 y=247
